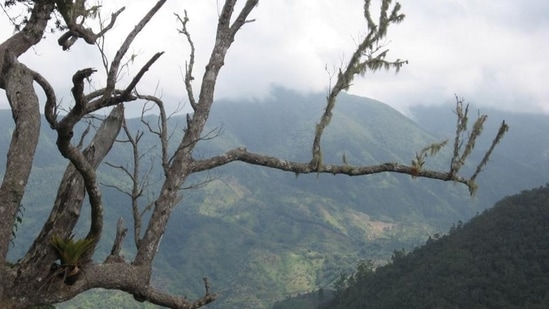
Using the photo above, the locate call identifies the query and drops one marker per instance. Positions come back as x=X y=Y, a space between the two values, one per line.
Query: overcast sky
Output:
x=492 y=52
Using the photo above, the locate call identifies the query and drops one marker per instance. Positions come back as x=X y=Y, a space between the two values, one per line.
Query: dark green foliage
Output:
x=500 y=259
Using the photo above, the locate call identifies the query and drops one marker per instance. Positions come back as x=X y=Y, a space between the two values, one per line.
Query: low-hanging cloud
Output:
x=492 y=53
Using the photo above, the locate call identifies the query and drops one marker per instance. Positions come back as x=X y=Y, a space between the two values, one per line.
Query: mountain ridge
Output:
x=260 y=234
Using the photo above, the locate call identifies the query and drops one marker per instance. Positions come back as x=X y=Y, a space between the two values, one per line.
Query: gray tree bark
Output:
x=38 y=277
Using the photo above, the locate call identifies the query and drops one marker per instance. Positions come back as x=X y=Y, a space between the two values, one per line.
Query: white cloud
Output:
x=469 y=50
x=490 y=52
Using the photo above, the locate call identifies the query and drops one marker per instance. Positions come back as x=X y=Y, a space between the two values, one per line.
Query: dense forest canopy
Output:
x=500 y=259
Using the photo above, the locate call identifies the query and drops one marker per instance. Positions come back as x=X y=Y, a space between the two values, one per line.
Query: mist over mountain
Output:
x=260 y=234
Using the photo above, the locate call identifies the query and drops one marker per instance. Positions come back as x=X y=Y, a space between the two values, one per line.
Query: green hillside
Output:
x=260 y=235
x=500 y=259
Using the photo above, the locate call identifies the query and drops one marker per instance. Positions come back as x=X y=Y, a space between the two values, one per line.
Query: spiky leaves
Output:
x=69 y=250
x=70 y=253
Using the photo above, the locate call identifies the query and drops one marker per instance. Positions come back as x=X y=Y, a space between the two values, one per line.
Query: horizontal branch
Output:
x=131 y=279
x=242 y=155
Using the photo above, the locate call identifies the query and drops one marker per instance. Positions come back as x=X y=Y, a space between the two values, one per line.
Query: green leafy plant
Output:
x=70 y=253
x=18 y=221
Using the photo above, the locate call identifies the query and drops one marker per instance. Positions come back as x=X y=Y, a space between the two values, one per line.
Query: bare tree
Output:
x=51 y=270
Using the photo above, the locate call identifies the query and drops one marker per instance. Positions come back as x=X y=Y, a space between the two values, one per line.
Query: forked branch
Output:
x=87 y=104
x=463 y=148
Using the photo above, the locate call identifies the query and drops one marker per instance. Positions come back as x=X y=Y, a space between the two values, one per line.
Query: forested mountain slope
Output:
x=260 y=235
x=500 y=259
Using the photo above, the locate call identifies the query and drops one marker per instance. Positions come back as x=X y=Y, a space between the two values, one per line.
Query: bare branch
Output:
x=100 y=43
x=208 y=179
x=115 y=64
x=51 y=101
x=134 y=281
x=140 y=74
x=123 y=169
x=117 y=188
x=136 y=189
x=163 y=128
x=190 y=65
x=117 y=244
x=123 y=96
x=241 y=154
x=242 y=17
